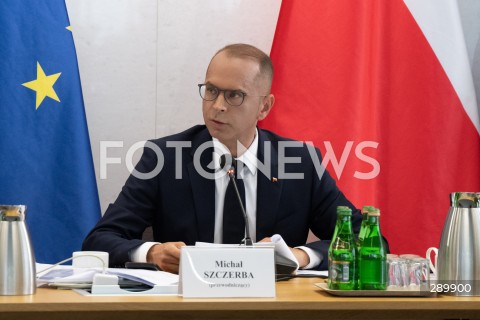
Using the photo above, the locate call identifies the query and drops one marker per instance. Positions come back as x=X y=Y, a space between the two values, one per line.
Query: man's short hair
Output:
x=246 y=51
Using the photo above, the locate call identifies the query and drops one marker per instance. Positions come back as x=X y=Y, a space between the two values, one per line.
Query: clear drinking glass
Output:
x=397 y=274
x=419 y=272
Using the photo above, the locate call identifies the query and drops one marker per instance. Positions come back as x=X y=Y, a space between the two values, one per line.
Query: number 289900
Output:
x=450 y=287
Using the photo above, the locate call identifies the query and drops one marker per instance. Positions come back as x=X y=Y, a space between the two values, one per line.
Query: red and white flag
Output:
x=384 y=89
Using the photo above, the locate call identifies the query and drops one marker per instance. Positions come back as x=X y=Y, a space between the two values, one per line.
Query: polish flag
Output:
x=384 y=89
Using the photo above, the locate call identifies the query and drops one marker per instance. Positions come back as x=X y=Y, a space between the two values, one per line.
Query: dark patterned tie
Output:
x=233 y=221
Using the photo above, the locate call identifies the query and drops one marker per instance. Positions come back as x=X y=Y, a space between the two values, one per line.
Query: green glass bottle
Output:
x=373 y=256
x=341 y=253
x=361 y=236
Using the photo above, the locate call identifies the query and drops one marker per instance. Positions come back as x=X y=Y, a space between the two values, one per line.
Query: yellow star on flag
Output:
x=43 y=85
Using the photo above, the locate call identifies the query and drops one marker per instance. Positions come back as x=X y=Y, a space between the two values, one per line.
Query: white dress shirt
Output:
x=247 y=172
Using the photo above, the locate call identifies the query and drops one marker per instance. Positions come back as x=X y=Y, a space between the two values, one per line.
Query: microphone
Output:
x=226 y=159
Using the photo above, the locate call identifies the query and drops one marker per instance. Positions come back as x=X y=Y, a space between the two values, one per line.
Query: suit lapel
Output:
x=203 y=188
x=269 y=188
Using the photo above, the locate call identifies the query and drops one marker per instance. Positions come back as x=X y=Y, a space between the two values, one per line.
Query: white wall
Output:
x=141 y=60
x=470 y=13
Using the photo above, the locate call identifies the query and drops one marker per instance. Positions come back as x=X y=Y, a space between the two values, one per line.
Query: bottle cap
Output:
x=374 y=213
x=344 y=211
x=367 y=209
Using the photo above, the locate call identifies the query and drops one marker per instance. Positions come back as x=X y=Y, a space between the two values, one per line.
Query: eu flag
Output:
x=45 y=156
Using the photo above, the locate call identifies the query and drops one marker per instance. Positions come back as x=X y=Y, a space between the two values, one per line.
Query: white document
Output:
x=320 y=274
x=285 y=255
x=284 y=258
x=148 y=277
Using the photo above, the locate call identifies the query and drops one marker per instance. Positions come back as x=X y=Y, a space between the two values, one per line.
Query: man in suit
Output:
x=179 y=186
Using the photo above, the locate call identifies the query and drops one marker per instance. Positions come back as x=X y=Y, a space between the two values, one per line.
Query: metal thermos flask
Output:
x=458 y=263
x=17 y=262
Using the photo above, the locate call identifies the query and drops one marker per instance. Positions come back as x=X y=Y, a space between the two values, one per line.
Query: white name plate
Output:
x=227 y=272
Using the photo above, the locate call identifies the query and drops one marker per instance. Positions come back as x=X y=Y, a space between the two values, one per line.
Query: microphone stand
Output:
x=247 y=241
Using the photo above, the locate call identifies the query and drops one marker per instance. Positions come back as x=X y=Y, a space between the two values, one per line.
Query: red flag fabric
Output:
x=361 y=81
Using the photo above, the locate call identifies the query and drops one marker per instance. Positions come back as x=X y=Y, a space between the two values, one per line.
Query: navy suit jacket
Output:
x=183 y=209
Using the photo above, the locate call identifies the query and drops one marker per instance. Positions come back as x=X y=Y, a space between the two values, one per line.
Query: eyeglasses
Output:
x=232 y=97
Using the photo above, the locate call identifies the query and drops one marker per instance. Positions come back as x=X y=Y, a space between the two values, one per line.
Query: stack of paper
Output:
x=69 y=277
